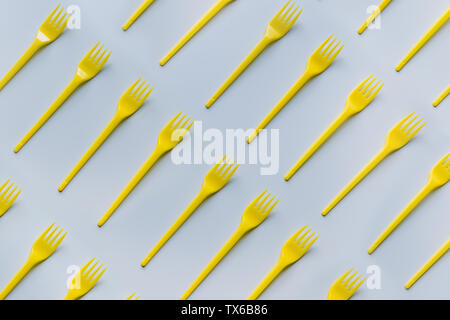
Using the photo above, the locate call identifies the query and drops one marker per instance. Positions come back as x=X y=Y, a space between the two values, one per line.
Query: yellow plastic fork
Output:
x=342 y=288
x=253 y=216
x=41 y=250
x=88 y=68
x=430 y=33
x=129 y=103
x=319 y=61
x=48 y=32
x=277 y=28
x=7 y=199
x=84 y=280
x=441 y=97
x=132 y=297
x=439 y=176
x=215 y=9
x=357 y=101
x=171 y=135
x=215 y=180
x=292 y=251
x=374 y=14
x=137 y=14
x=439 y=254
x=397 y=138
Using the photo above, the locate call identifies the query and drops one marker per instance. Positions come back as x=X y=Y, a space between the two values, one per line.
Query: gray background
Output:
x=186 y=83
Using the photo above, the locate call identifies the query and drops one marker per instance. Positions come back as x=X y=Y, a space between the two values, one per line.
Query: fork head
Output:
x=403 y=132
x=47 y=243
x=283 y=21
x=344 y=287
x=173 y=132
x=7 y=197
x=258 y=210
x=132 y=297
x=297 y=246
x=218 y=176
x=363 y=95
x=53 y=26
x=133 y=98
x=440 y=174
x=92 y=63
x=85 y=279
x=324 y=55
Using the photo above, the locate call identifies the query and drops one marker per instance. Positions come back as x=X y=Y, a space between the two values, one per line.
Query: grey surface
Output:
x=186 y=83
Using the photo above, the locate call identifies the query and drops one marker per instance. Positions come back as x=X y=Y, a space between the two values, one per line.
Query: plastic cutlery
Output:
x=48 y=32
x=292 y=251
x=137 y=14
x=171 y=135
x=277 y=28
x=439 y=254
x=215 y=9
x=430 y=33
x=129 y=103
x=132 y=297
x=215 y=180
x=84 y=280
x=441 y=97
x=439 y=176
x=374 y=14
x=88 y=68
x=342 y=288
x=397 y=138
x=319 y=61
x=7 y=199
x=357 y=101
x=253 y=216
x=41 y=250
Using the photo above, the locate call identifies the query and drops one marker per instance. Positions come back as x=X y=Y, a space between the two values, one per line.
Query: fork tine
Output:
x=92 y=50
x=178 y=122
x=311 y=242
x=354 y=281
x=282 y=17
x=300 y=238
x=350 y=277
x=10 y=194
x=55 y=16
x=63 y=25
x=292 y=21
x=89 y=271
x=256 y=200
x=96 y=52
x=223 y=174
x=295 y=235
x=172 y=121
x=51 y=233
x=325 y=50
x=57 y=243
x=413 y=125
x=319 y=49
x=366 y=88
x=138 y=89
x=409 y=123
x=93 y=273
x=97 y=60
x=266 y=212
x=214 y=168
x=345 y=275
x=55 y=237
x=360 y=87
x=147 y=94
x=282 y=9
x=3 y=185
x=332 y=50
x=130 y=89
x=222 y=165
x=374 y=94
x=358 y=285
x=58 y=23
x=83 y=269
x=139 y=95
x=42 y=236
x=263 y=200
x=307 y=239
x=288 y=18
x=228 y=177
x=335 y=54
x=14 y=198
x=412 y=134
x=370 y=90
x=52 y=13
x=444 y=160
x=100 y=275
x=6 y=191
x=400 y=124
x=103 y=62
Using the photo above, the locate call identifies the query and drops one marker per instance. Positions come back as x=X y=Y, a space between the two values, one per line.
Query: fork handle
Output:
x=374 y=14
x=218 y=6
x=442 y=250
x=240 y=69
x=201 y=196
x=157 y=153
x=266 y=281
x=73 y=85
x=144 y=6
x=441 y=97
x=90 y=152
x=238 y=234
x=402 y=215
x=17 y=278
x=28 y=54
x=428 y=35
x=357 y=179
x=316 y=145
x=281 y=104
